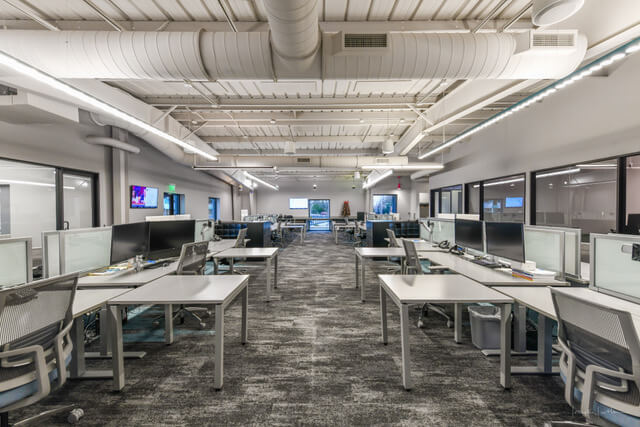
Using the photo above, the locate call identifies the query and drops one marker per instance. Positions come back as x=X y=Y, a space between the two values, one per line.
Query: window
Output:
x=581 y=196
x=632 y=209
x=173 y=204
x=473 y=198
x=385 y=203
x=503 y=199
x=214 y=208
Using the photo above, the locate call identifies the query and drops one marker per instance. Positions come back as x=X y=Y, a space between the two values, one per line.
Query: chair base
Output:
x=436 y=309
x=36 y=419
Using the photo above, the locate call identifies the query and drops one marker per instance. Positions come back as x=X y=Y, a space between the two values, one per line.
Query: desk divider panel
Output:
x=203 y=231
x=15 y=261
x=50 y=254
x=441 y=230
x=546 y=248
x=84 y=250
x=613 y=268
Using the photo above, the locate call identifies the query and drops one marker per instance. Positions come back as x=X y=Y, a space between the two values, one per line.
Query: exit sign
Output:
x=171 y=188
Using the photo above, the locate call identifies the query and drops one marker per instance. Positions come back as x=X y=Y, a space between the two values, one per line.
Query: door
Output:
x=319 y=212
x=78 y=200
x=173 y=204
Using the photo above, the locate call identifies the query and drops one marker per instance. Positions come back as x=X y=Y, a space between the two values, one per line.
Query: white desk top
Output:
x=439 y=288
x=128 y=279
x=247 y=253
x=87 y=300
x=220 y=245
x=484 y=275
x=293 y=226
x=185 y=290
x=380 y=252
x=537 y=298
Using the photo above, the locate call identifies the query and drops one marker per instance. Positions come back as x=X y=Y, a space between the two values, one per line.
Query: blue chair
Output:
x=35 y=342
x=600 y=360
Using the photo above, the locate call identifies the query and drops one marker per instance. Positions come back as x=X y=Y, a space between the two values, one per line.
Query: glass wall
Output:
x=473 y=198
x=385 y=203
x=581 y=196
x=451 y=199
x=504 y=199
x=27 y=200
x=77 y=192
x=632 y=209
x=214 y=208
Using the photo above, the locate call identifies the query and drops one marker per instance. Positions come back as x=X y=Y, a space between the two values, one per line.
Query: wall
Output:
x=594 y=118
x=337 y=191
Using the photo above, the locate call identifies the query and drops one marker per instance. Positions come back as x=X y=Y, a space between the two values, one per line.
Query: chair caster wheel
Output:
x=449 y=324
x=420 y=324
x=155 y=323
x=202 y=325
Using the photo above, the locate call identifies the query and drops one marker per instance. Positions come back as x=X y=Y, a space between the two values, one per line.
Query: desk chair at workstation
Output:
x=413 y=263
x=35 y=343
x=600 y=360
x=395 y=264
x=240 y=243
x=192 y=262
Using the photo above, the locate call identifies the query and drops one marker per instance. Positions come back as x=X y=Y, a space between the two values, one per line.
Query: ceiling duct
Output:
x=113 y=143
x=549 y=12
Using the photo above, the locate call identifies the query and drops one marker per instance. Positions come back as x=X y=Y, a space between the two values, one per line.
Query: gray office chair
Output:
x=192 y=262
x=413 y=264
x=394 y=265
x=35 y=344
x=600 y=360
x=242 y=235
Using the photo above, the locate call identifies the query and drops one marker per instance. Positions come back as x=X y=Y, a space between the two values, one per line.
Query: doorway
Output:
x=173 y=204
x=319 y=214
x=78 y=200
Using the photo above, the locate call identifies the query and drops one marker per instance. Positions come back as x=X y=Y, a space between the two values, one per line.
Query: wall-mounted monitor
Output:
x=514 y=202
x=144 y=197
x=298 y=203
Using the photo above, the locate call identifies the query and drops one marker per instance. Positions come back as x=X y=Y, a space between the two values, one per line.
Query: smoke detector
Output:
x=549 y=12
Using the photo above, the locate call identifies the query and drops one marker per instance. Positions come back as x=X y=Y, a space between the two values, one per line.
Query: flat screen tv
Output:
x=298 y=204
x=514 y=202
x=144 y=197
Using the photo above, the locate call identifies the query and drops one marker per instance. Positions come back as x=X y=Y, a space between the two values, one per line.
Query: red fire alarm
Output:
x=399 y=183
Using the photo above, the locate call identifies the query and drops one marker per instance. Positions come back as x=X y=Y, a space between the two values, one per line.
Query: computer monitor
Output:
x=468 y=234
x=167 y=237
x=360 y=216
x=633 y=223
x=128 y=240
x=505 y=240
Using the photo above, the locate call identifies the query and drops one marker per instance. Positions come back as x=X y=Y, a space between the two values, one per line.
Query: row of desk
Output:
x=155 y=286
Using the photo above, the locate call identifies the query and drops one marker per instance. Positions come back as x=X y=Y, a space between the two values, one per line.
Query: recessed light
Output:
x=272 y=121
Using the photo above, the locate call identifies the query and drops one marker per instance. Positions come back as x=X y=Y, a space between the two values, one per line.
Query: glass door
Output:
x=319 y=213
x=78 y=200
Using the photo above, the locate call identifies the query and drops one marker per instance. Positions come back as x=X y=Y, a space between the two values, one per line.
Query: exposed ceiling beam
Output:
x=115 y=25
x=215 y=115
x=299 y=104
x=301 y=152
x=36 y=21
x=437 y=26
x=356 y=140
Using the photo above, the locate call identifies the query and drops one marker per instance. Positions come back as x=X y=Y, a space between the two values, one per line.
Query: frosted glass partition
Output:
x=613 y=270
x=470 y=217
x=204 y=230
x=545 y=247
x=572 y=237
x=425 y=234
x=441 y=230
x=167 y=217
x=85 y=250
x=50 y=253
x=15 y=261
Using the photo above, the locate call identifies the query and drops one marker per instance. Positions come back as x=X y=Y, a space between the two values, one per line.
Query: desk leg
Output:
x=363 y=262
x=545 y=326
x=115 y=317
x=215 y=266
x=357 y=272
x=383 y=315
x=168 y=324
x=335 y=233
x=77 y=366
x=219 y=341
x=457 y=322
x=275 y=271
x=231 y=265
x=245 y=310
x=406 y=356
x=268 y=279
x=105 y=341
x=505 y=346
x=520 y=328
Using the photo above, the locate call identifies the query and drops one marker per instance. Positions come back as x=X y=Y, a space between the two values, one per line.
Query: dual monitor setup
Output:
x=503 y=239
x=154 y=240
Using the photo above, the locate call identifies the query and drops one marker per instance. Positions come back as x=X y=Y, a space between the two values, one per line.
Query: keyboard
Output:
x=486 y=263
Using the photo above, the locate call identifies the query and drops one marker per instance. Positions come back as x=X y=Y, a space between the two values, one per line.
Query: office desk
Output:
x=486 y=276
x=363 y=253
x=454 y=289
x=267 y=253
x=219 y=291
x=338 y=227
x=221 y=245
x=86 y=301
x=301 y=227
x=128 y=279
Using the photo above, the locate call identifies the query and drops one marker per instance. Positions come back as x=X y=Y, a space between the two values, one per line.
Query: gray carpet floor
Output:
x=314 y=357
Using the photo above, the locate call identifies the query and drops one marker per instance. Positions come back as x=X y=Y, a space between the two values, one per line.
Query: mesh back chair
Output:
x=600 y=360
x=413 y=264
x=35 y=344
x=242 y=234
x=192 y=262
x=393 y=240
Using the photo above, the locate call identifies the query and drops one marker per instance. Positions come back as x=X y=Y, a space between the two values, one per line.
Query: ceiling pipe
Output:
x=113 y=143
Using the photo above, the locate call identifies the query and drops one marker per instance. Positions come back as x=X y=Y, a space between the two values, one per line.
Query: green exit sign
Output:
x=171 y=188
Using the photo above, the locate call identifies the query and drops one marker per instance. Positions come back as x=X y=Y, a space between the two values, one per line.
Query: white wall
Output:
x=594 y=118
x=269 y=201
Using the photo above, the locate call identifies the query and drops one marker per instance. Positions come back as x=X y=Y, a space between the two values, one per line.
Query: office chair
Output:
x=413 y=263
x=240 y=243
x=35 y=343
x=394 y=265
x=600 y=360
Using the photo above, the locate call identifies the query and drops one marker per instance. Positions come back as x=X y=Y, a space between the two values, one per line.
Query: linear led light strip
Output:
x=556 y=173
x=605 y=61
x=256 y=179
x=405 y=167
x=37 y=184
x=42 y=77
x=506 y=181
x=374 y=181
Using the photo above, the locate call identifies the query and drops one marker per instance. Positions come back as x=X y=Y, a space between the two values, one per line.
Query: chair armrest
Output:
x=58 y=348
x=590 y=382
x=438 y=267
x=40 y=364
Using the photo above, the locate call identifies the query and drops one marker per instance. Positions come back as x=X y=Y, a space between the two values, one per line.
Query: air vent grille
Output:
x=382 y=161
x=304 y=160
x=365 y=41
x=553 y=40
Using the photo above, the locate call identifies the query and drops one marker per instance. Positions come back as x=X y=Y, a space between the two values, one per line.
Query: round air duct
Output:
x=387 y=146
x=549 y=12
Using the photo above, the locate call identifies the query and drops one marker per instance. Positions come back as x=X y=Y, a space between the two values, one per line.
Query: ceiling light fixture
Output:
x=272 y=121
x=415 y=166
x=506 y=181
x=387 y=146
x=605 y=61
x=356 y=175
x=597 y=165
x=549 y=12
x=556 y=173
x=373 y=181
x=265 y=183
x=54 y=83
x=37 y=184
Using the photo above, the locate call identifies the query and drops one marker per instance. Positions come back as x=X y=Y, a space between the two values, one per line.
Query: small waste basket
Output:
x=485 y=326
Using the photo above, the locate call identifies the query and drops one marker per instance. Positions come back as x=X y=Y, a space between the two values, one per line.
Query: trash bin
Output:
x=485 y=326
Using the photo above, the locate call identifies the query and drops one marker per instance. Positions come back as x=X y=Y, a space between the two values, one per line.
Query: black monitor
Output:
x=128 y=240
x=633 y=223
x=360 y=216
x=167 y=237
x=505 y=240
x=468 y=234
